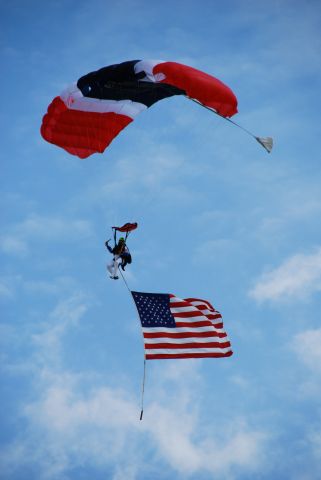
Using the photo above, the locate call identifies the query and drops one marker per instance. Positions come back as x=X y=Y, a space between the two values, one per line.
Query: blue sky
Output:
x=219 y=219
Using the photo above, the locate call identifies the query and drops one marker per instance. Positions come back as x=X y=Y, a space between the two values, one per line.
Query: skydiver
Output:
x=120 y=251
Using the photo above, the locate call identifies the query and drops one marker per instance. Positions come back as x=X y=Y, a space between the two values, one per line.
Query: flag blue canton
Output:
x=153 y=309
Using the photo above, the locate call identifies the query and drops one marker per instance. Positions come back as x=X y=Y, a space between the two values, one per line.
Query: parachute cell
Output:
x=88 y=115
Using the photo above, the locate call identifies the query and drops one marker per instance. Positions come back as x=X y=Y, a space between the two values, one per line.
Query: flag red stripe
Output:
x=198 y=300
x=203 y=323
x=175 y=346
x=187 y=314
x=204 y=307
x=159 y=356
x=218 y=326
x=179 y=304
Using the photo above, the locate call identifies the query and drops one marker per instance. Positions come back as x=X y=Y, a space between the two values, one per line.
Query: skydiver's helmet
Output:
x=121 y=240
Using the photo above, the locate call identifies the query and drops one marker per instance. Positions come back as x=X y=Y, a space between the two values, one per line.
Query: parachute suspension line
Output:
x=127 y=234
x=144 y=371
x=115 y=234
x=266 y=142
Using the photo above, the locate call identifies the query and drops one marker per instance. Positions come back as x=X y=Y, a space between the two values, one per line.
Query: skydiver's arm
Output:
x=107 y=246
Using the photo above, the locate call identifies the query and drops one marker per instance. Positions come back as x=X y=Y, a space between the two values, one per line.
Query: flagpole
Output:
x=125 y=281
x=143 y=391
x=144 y=372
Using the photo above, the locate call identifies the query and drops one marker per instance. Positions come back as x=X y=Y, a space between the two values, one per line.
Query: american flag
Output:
x=180 y=328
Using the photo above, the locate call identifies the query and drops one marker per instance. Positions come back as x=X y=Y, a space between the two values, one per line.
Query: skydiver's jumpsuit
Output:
x=117 y=251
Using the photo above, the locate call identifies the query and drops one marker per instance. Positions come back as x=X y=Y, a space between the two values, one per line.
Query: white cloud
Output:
x=241 y=381
x=128 y=472
x=102 y=427
x=142 y=177
x=8 y=286
x=212 y=249
x=36 y=227
x=296 y=207
x=13 y=245
x=13 y=285
x=188 y=450
x=52 y=227
x=315 y=439
x=5 y=290
x=299 y=276
x=307 y=346
x=70 y=421
x=66 y=315
x=56 y=286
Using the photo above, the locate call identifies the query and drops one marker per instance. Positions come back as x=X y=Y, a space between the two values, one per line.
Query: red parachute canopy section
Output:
x=128 y=227
x=89 y=114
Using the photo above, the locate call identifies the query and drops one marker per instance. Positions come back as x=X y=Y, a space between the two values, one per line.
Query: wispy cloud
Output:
x=71 y=421
x=12 y=245
x=102 y=425
x=299 y=276
x=307 y=346
x=52 y=227
x=57 y=286
x=66 y=315
x=315 y=439
x=6 y=288
x=44 y=228
x=148 y=176
x=210 y=249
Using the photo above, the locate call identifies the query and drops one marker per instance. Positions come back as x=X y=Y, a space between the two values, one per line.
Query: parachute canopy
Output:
x=89 y=114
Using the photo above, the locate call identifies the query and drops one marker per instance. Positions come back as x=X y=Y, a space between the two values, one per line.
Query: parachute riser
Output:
x=115 y=235
x=266 y=142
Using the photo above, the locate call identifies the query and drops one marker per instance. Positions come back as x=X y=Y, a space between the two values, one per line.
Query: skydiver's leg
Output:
x=110 y=267
x=115 y=265
x=126 y=259
x=123 y=262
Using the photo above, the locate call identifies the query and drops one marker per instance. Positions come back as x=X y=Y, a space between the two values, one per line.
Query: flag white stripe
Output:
x=213 y=322
x=187 y=340
x=199 y=302
x=184 y=310
x=182 y=329
x=193 y=307
x=207 y=308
